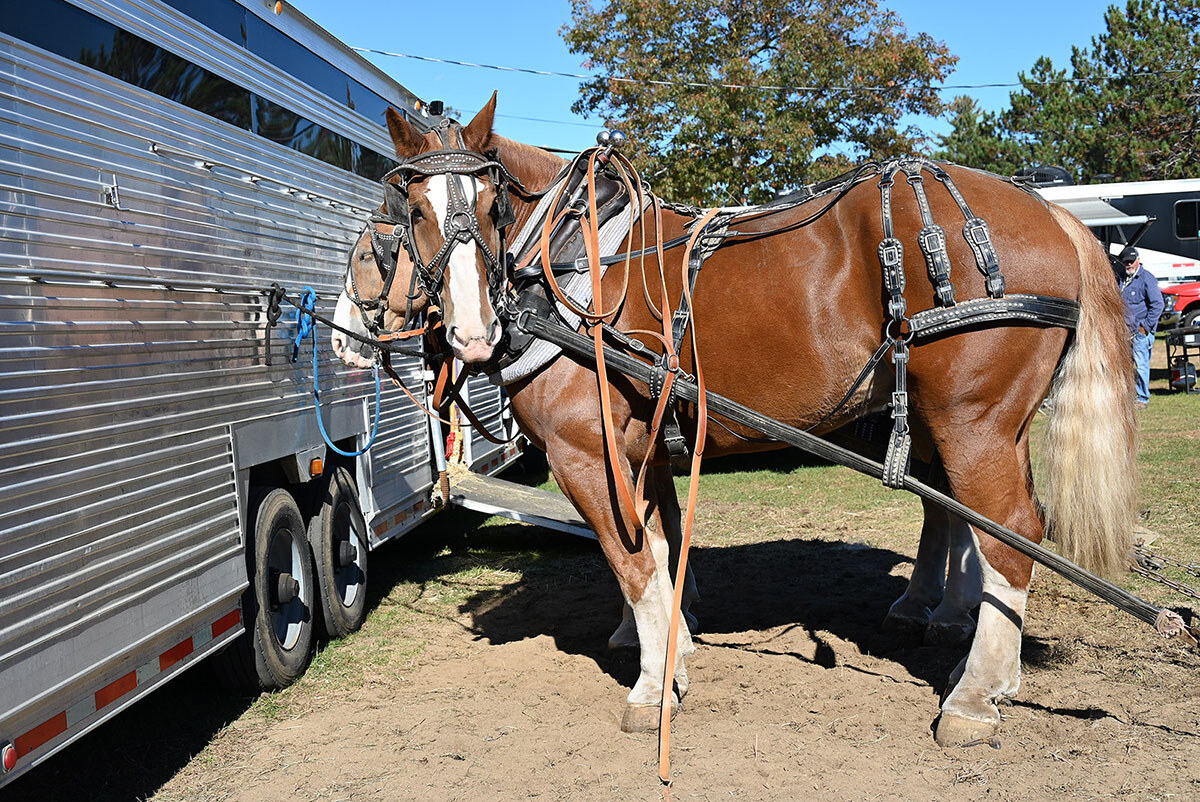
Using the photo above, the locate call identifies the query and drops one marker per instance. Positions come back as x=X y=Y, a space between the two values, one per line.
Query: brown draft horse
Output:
x=783 y=324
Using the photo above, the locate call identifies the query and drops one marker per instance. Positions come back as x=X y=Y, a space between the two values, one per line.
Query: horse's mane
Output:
x=535 y=167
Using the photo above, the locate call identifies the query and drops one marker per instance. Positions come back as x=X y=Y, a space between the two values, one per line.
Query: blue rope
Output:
x=307 y=326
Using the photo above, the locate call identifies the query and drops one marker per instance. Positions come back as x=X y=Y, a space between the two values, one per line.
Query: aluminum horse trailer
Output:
x=167 y=487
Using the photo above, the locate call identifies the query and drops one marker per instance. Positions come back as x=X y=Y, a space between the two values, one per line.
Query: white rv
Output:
x=1161 y=217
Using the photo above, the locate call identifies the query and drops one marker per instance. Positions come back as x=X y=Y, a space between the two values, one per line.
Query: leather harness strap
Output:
x=891 y=260
x=975 y=231
x=932 y=239
x=707 y=237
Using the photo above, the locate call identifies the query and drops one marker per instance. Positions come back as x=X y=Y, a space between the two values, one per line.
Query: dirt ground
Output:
x=796 y=693
x=482 y=672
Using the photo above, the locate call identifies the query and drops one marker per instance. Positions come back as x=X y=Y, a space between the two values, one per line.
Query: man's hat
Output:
x=1129 y=255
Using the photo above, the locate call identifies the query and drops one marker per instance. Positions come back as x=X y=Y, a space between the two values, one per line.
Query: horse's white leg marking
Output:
x=992 y=669
x=470 y=307
x=652 y=612
x=352 y=352
x=951 y=621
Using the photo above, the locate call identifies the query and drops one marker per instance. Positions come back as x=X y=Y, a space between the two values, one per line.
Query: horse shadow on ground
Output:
x=753 y=598
x=830 y=589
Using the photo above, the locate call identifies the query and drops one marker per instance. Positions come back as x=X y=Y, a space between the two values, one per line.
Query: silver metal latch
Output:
x=112 y=195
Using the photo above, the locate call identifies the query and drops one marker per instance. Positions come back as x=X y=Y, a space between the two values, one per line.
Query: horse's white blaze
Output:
x=346 y=315
x=462 y=272
x=652 y=612
x=992 y=669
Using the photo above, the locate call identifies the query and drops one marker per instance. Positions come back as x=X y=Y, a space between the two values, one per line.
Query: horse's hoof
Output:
x=623 y=640
x=941 y=634
x=644 y=718
x=904 y=625
x=956 y=731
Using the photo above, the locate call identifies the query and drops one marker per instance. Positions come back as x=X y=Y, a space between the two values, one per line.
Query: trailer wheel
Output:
x=338 y=536
x=277 y=608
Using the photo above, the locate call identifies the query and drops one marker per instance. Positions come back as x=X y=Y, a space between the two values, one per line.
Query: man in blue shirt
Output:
x=1143 y=306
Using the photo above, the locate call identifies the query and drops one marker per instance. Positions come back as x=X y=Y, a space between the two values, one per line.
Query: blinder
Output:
x=462 y=225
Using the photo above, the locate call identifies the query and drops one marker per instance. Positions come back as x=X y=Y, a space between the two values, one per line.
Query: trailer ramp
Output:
x=530 y=505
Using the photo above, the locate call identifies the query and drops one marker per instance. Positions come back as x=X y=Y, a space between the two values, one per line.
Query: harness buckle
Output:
x=891 y=253
x=995 y=285
x=675 y=442
x=932 y=239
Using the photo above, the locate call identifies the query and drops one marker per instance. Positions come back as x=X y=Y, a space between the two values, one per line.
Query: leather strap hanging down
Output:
x=932 y=239
x=891 y=261
x=664 y=721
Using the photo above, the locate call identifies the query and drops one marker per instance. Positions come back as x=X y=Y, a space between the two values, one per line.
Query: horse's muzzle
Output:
x=474 y=350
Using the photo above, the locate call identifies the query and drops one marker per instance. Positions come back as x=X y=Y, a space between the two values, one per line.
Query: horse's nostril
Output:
x=494 y=332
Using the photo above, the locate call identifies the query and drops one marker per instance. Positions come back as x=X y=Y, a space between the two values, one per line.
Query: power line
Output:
x=705 y=85
x=593 y=126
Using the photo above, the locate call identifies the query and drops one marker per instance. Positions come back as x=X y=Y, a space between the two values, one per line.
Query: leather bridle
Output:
x=461 y=225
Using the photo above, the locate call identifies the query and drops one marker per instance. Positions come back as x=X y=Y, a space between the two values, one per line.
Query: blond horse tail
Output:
x=1091 y=438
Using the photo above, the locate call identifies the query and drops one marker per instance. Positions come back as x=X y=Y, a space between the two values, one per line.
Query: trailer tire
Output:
x=337 y=534
x=277 y=608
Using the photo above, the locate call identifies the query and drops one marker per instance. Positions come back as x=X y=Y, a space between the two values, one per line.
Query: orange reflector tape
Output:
x=316 y=467
x=42 y=733
x=116 y=689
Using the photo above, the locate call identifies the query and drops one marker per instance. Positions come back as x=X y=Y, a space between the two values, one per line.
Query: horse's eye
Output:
x=415 y=213
x=365 y=255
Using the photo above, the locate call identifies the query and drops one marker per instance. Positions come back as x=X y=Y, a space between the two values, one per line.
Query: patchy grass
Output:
x=430 y=578
x=436 y=573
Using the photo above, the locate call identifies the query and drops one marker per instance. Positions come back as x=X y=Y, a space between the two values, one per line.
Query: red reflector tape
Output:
x=116 y=689
x=41 y=734
x=173 y=655
x=123 y=685
x=226 y=623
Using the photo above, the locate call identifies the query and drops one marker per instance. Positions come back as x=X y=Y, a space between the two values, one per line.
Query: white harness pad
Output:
x=578 y=288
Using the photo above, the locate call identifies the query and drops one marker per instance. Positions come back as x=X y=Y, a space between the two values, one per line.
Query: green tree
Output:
x=726 y=145
x=1129 y=107
x=978 y=139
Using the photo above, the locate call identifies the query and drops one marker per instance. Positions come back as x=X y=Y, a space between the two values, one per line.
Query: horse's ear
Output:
x=478 y=133
x=406 y=139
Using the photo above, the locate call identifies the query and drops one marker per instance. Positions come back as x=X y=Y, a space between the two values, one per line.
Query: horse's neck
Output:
x=533 y=167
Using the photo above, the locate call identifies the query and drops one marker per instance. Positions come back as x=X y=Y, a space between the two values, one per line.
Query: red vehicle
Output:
x=1181 y=304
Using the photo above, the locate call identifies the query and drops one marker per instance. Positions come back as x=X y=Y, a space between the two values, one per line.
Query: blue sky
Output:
x=994 y=41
